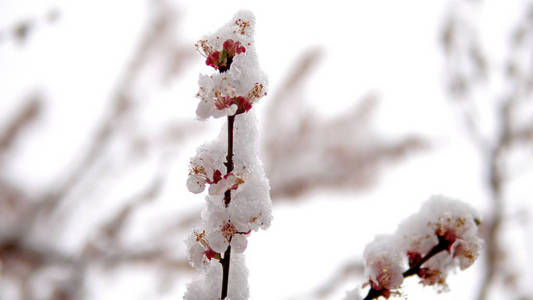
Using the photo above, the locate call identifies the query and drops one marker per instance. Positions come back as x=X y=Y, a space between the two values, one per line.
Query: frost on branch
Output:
x=240 y=83
x=238 y=197
x=442 y=236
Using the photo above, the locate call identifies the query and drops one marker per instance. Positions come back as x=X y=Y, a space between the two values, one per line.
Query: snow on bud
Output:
x=435 y=271
x=383 y=263
x=446 y=219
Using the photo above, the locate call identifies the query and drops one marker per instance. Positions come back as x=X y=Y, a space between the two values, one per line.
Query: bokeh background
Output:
x=373 y=106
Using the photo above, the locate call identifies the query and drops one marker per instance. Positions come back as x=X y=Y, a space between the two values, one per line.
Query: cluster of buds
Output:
x=221 y=60
x=239 y=83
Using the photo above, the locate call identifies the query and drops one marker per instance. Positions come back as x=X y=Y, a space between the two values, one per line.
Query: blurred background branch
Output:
x=471 y=73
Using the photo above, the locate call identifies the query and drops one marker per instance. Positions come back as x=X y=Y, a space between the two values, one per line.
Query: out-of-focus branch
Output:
x=120 y=105
x=26 y=114
x=113 y=228
x=344 y=145
x=347 y=272
x=20 y=31
x=465 y=61
x=23 y=253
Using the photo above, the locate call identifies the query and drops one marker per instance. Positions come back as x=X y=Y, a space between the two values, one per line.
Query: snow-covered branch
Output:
x=238 y=200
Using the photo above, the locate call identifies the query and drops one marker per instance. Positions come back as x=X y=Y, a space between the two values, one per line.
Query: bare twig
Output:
x=27 y=114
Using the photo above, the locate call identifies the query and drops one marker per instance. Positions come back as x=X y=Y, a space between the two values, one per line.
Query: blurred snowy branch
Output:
x=299 y=145
x=22 y=30
x=28 y=254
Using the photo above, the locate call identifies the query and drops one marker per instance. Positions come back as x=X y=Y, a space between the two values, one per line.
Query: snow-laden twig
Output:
x=442 y=236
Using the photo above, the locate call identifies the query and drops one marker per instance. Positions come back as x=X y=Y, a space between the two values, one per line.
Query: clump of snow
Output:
x=208 y=285
x=384 y=263
x=353 y=294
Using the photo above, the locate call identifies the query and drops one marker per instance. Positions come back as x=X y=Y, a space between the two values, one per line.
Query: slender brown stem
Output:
x=227 y=199
x=229 y=157
x=225 y=273
x=414 y=269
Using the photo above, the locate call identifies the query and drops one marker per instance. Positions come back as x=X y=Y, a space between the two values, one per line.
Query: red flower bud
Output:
x=244 y=104
x=230 y=45
x=212 y=59
x=210 y=253
x=217 y=176
x=239 y=48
